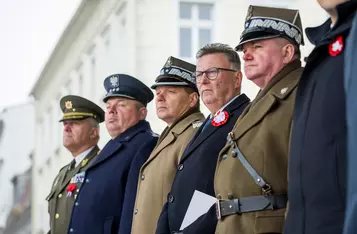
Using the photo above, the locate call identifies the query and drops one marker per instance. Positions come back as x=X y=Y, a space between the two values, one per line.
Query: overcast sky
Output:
x=29 y=31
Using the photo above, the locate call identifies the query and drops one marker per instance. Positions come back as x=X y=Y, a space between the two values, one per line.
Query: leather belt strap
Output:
x=250 y=204
x=266 y=188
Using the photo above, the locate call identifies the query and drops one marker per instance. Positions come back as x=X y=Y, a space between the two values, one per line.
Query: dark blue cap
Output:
x=122 y=85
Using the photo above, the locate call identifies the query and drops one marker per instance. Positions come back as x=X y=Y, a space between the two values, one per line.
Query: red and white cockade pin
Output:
x=220 y=118
x=336 y=47
x=70 y=189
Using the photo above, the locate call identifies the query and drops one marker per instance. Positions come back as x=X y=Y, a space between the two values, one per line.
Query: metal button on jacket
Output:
x=142 y=177
x=180 y=167
x=171 y=199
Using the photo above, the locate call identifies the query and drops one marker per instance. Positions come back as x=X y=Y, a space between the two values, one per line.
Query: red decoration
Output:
x=336 y=47
x=70 y=189
x=220 y=118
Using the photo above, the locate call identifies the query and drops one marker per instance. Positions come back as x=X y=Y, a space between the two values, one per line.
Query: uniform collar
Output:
x=79 y=158
x=141 y=126
x=222 y=108
x=345 y=12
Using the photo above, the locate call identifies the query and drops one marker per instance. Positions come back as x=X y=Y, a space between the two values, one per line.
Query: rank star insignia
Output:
x=68 y=105
x=336 y=47
x=220 y=118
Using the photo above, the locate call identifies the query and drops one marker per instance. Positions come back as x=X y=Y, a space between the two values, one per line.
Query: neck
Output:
x=333 y=15
x=76 y=152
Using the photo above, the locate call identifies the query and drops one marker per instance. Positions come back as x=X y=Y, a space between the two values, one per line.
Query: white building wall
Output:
x=125 y=36
x=16 y=147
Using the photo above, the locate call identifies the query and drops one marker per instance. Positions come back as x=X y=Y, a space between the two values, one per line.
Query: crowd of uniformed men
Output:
x=275 y=164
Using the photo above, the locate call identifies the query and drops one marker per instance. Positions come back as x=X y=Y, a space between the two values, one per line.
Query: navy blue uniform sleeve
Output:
x=163 y=222
x=351 y=97
x=131 y=186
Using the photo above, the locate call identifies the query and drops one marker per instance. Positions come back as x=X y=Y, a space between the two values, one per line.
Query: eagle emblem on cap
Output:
x=168 y=62
x=68 y=105
x=114 y=81
x=249 y=13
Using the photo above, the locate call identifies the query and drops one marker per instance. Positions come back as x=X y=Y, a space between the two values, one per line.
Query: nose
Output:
x=66 y=127
x=204 y=79
x=160 y=97
x=247 y=55
x=111 y=109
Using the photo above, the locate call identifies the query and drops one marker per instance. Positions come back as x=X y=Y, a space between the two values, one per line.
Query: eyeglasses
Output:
x=211 y=73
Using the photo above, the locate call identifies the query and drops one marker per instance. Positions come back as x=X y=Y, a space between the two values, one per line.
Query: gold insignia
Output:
x=68 y=105
x=84 y=162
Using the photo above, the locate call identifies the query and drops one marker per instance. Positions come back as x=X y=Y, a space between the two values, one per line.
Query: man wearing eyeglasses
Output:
x=218 y=79
x=251 y=175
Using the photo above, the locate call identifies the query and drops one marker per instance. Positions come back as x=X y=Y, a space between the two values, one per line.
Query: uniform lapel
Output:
x=178 y=129
x=281 y=87
x=113 y=146
x=201 y=136
x=67 y=176
x=170 y=137
x=108 y=151
x=260 y=109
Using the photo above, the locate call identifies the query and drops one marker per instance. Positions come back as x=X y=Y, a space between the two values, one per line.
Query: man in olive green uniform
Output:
x=177 y=104
x=251 y=174
x=81 y=119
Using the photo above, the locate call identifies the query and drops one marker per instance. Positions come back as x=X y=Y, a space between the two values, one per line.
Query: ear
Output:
x=143 y=113
x=193 y=99
x=288 y=53
x=95 y=133
x=238 y=79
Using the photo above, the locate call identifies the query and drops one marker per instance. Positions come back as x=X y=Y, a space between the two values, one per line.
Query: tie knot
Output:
x=72 y=164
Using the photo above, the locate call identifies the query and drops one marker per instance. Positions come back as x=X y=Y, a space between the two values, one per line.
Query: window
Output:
x=196 y=23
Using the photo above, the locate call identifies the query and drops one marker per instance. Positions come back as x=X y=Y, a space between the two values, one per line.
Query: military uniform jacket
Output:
x=99 y=203
x=196 y=169
x=262 y=134
x=157 y=174
x=59 y=204
x=317 y=162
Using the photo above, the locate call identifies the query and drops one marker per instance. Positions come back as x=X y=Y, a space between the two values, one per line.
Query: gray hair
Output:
x=228 y=51
x=94 y=123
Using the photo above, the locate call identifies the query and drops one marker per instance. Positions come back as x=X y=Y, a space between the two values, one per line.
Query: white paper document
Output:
x=199 y=205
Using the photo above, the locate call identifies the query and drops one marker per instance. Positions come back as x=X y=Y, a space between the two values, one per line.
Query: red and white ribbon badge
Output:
x=220 y=118
x=336 y=47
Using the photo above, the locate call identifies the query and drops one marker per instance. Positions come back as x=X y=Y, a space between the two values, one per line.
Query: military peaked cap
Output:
x=176 y=72
x=122 y=85
x=77 y=108
x=268 y=22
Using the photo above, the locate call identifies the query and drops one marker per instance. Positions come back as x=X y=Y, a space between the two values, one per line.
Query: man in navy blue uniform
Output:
x=317 y=162
x=218 y=79
x=99 y=203
x=351 y=110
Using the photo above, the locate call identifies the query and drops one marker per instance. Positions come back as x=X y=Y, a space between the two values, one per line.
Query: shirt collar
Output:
x=82 y=155
x=222 y=108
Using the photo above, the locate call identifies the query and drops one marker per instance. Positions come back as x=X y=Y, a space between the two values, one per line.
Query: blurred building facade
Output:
x=17 y=126
x=135 y=37
x=19 y=218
